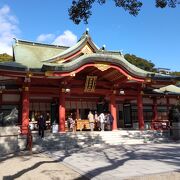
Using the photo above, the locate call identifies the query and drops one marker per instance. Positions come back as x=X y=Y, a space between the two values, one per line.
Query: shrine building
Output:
x=59 y=80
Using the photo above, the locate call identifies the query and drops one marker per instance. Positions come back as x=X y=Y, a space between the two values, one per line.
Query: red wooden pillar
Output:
x=113 y=111
x=25 y=110
x=155 y=112
x=62 y=114
x=140 y=111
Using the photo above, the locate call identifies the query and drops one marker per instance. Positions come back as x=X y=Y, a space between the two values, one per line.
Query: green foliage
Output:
x=176 y=73
x=140 y=62
x=5 y=57
x=81 y=9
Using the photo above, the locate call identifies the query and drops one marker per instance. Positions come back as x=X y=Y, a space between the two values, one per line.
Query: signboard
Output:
x=90 y=84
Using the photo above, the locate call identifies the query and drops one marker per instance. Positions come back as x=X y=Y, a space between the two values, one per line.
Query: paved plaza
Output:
x=148 y=161
x=121 y=162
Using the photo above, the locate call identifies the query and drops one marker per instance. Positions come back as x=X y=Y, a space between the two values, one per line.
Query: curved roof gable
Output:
x=118 y=61
x=85 y=45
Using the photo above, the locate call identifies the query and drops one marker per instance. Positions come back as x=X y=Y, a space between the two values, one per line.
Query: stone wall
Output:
x=9 y=139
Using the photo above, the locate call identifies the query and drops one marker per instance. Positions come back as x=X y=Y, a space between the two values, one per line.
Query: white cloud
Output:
x=45 y=37
x=66 y=39
x=8 y=29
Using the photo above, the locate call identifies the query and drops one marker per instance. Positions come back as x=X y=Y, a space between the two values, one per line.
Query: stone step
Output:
x=84 y=139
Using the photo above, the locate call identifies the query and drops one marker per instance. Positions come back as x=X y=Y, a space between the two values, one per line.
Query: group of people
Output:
x=100 y=122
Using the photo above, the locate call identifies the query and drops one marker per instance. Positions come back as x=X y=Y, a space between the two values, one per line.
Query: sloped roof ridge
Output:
x=20 y=41
x=71 y=50
x=84 y=35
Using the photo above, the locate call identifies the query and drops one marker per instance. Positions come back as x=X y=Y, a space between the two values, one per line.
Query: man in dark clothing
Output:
x=41 y=124
x=110 y=120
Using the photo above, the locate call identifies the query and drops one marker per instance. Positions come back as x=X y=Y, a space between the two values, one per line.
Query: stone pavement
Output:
x=124 y=161
x=26 y=166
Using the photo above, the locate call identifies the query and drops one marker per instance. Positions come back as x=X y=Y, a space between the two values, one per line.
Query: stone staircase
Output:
x=11 y=141
x=82 y=139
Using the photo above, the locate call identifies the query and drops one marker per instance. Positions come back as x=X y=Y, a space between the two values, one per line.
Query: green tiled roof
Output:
x=32 y=54
x=40 y=56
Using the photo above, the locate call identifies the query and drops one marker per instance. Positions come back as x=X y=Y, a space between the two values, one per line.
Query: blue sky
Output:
x=154 y=34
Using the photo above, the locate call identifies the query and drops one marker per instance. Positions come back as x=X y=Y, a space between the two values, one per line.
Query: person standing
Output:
x=41 y=125
x=102 y=121
x=110 y=120
x=97 y=123
x=91 y=120
x=72 y=123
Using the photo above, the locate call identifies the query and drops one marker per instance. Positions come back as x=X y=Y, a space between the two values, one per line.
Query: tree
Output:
x=176 y=73
x=81 y=9
x=145 y=64
x=140 y=62
x=5 y=57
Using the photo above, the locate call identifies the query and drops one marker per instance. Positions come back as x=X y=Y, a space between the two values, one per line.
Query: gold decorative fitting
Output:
x=29 y=74
x=114 y=91
x=73 y=74
x=86 y=50
x=148 y=80
x=26 y=88
x=129 y=78
x=90 y=84
x=48 y=73
x=60 y=61
x=142 y=93
x=102 y=67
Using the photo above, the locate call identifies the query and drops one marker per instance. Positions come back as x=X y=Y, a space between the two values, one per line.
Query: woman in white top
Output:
x=102 y=120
